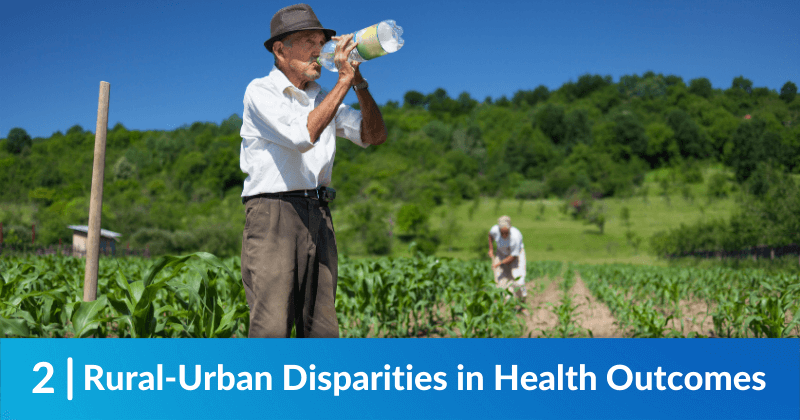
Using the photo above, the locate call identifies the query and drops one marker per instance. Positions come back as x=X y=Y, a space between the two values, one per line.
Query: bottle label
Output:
x=369 y=46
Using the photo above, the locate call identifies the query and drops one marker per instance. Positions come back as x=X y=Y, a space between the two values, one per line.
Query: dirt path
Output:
x=591 y=313
x=541 y=316
x=696 y=318
x=594 y=315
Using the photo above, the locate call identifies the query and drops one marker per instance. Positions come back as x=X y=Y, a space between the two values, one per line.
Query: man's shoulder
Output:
x=260 y=84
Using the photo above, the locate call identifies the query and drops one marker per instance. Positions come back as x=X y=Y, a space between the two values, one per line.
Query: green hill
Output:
x=603 y=142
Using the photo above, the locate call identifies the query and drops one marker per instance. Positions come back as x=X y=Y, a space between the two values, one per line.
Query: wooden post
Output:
x=96 y=203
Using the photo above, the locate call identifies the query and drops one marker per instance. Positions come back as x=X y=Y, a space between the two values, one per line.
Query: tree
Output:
x=550 y=119
x=753 y=144
x=529 y=153
x=412 y=98
x=690 y=140
x=466 y=103
x=578 y=128
x=231 y=125
x=439 y=102
x=743 y=84
x=648 y=86
x=701 y=87
x=588 y=83
x=503 y=101
x=673 y=80
x=630 y=133
x=18 y=139
x=531 y=97
x=788 y=92
x=439 y=132
x=661 y=146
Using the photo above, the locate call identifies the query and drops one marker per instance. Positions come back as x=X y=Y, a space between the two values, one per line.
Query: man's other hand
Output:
x=348 y=70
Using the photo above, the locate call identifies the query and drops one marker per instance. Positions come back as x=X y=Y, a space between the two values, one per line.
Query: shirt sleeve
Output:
x=494 y=232
x=515 y=243
x=348 y=124
x=267 y=117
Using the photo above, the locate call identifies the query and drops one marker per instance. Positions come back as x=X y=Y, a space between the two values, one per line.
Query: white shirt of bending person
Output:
x=276 y=153
x=507 y=246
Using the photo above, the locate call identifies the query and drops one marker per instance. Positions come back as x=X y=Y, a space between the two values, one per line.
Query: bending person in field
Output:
x=509 y=263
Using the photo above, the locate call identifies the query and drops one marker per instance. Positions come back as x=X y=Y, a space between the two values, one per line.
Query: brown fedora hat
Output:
x=291 y=19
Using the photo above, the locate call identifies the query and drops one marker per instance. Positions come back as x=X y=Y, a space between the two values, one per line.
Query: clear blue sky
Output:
x=176 y=62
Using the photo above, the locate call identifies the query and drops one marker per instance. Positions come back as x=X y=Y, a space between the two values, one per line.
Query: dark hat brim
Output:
x=329 y=33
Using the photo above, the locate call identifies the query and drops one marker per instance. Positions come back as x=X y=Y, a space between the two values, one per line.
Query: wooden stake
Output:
x=96 y=203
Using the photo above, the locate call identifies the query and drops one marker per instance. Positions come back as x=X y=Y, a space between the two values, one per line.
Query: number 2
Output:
x=39 y=388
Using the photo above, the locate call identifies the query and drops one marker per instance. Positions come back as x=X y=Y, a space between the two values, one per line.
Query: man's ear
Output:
x=278 y=50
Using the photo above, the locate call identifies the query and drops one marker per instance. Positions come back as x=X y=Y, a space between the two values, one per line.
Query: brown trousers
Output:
x=289 y=267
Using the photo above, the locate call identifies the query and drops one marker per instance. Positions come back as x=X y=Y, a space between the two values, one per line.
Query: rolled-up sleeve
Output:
x=268 y=118
x=348 y=124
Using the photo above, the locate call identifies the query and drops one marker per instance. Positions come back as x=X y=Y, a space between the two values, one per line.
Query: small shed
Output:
x=108 y=240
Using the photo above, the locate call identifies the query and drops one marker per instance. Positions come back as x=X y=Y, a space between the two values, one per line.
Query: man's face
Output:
x=504 y=231
x=300 y=52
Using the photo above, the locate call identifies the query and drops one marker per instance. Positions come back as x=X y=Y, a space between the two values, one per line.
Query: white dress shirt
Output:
x=277 y=154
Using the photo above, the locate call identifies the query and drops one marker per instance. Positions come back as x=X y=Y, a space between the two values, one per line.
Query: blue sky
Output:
x=171 y=63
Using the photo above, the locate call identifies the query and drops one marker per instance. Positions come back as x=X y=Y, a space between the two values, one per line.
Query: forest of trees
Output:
x=178 y=191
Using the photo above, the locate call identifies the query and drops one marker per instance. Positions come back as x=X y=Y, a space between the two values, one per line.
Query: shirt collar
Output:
x=282 y=83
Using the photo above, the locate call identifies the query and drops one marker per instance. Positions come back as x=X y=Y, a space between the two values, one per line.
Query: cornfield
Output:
x=200 y=295
x=739 y=303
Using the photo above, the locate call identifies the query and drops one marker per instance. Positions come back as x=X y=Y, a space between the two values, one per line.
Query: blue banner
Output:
x=394 y=378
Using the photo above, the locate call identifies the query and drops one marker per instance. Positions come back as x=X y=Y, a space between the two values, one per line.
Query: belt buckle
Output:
x=326 y=194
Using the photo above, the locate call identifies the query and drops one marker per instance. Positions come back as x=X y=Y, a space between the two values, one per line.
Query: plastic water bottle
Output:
x=374 y=41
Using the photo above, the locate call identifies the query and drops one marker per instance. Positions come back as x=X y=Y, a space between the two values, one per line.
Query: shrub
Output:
x=427 y=242
x=412 y=219
x=692 y=174
x=718 y=186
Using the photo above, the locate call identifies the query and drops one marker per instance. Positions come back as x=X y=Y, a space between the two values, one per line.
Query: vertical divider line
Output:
x=69 y=378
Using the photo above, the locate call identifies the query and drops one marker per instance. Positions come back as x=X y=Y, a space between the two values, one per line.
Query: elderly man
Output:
x=289 y=129
x=509 y=264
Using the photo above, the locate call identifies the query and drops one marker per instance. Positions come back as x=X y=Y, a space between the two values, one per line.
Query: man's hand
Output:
x=491 y=253
x=348 y=70
x=497 y=264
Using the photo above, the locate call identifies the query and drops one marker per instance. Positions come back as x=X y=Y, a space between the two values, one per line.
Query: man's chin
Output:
x=313 y=75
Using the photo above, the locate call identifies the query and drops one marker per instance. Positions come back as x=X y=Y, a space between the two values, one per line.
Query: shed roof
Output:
x=104 y=233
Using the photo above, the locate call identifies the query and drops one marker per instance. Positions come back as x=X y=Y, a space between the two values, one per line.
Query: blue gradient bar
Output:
x=764 y=378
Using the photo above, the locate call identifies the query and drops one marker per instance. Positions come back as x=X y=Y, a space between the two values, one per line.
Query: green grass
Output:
x=557 y=236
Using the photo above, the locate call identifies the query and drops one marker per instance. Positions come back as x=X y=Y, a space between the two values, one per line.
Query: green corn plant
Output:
x=87 y=317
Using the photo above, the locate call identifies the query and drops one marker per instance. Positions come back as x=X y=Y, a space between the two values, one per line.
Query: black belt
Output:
x=323 y=194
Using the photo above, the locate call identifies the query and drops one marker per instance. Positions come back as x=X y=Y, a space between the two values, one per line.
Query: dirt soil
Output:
x=591 y=313
x=696 y=318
